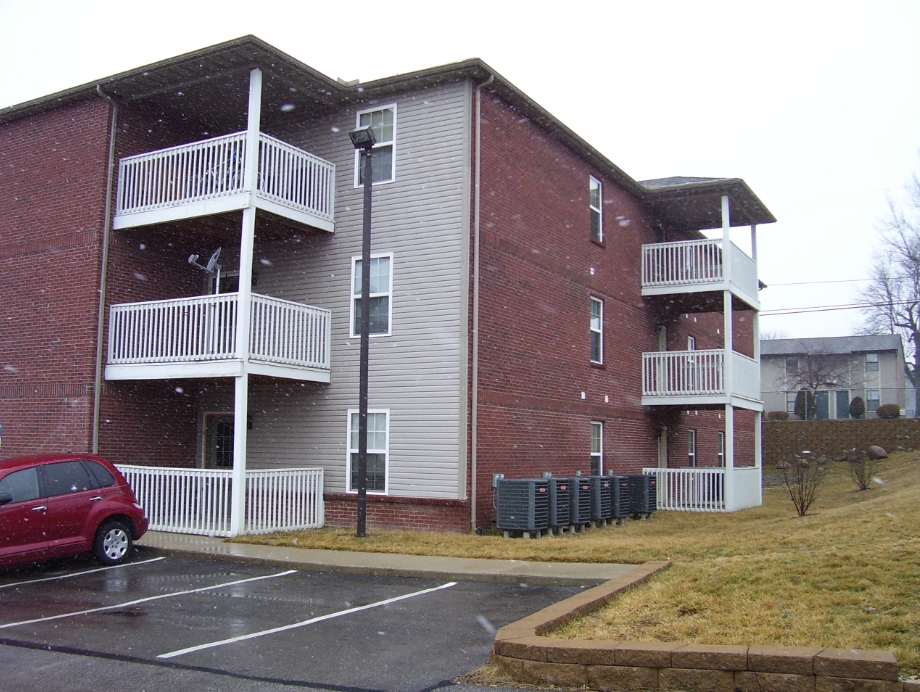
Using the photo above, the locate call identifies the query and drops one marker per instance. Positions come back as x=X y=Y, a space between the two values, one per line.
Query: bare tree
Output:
x=894 y=292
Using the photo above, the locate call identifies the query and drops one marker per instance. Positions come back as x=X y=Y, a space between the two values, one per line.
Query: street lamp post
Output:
x=363 y=139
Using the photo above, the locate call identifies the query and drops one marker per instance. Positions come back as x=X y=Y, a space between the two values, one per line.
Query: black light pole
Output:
x=363 y=139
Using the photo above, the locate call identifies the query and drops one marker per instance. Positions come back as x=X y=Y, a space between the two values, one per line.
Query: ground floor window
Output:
x=721 y=457
x=597 y=449
x=218 y=441
x=872 y=400
x=691 y=448
x=378 y=434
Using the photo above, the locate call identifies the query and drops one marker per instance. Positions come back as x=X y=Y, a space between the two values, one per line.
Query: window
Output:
x=597 y=449
x=790 y=402
x=872 y=400
x=871 y=362
x=21 y=485
x=721 y=457
x=378 y=434
x=65 y=478
x=380 y=291
x=100 y=474
x=383 y=122
x=597 y=228
x=597 y=331
x=792 y=365
x=691 y=343
x=691 y=448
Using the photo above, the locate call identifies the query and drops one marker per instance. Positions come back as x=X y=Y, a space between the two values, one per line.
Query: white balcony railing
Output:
x=695 y=262
x=203 y=328
x=683 y=373
x=197 y=501
x=215 y=168
x=690 y=490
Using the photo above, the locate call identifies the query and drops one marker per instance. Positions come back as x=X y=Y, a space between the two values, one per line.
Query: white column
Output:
x=729 y=457
x=244 y=305
x=726 y=241
x=758 y=453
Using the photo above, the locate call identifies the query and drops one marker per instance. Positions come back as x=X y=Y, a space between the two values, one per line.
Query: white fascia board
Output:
x=174 y=371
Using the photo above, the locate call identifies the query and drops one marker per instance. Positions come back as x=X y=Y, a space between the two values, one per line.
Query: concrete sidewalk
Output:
x=386 y=564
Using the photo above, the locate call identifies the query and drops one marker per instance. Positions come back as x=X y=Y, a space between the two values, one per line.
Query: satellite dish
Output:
x=212 y=263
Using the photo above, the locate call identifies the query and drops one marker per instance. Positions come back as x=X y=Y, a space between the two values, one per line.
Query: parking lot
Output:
x=253 y=624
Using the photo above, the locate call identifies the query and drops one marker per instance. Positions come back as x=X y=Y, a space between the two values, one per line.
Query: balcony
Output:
x=697 y=378
x=196 y=337
x=207 y=177
x=696 y=266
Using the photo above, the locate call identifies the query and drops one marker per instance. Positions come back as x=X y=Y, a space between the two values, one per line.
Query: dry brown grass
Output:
x=846 y=575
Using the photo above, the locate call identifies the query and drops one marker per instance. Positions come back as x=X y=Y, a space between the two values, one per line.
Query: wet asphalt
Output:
x=168 y=623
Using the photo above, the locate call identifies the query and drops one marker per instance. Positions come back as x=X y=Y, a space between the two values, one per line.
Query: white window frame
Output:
x=596 y=209
x=691 y=448
x=790 y=402
x=789 y=360
x=599 y=455
x=357 y=296
x=350 y=450
x=720 y=457
x=599 y=330
x=877 y=398
x=386 y=143
x=874 y=360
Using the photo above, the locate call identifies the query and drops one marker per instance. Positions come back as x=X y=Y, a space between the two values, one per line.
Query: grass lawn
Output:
x=847 y=575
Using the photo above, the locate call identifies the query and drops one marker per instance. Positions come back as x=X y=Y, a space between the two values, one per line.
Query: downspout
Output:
x=474 y=419
x=103 y=272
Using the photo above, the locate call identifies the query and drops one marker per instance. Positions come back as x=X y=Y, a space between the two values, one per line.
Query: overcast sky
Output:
x=816 y=105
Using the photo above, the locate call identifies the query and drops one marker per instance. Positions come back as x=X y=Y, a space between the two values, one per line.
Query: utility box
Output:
x=619 y=498
x=559 y=502
x=601 y=499
x=522 y=505
x=643 y=496
x=580 y=500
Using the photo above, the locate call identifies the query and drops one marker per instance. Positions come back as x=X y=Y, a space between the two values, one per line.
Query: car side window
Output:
x=21 y=485
x=65 y=478
x=100 y=474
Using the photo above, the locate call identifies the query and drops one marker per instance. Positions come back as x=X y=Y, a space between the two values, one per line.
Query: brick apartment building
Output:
x=534 y=309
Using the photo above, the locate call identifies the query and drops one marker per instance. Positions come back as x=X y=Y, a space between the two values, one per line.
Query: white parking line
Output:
x=284 y=628
x=80 y=574
x=145 y=600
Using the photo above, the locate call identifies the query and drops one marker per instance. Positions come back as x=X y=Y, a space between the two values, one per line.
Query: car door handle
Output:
x=95 y=499
x=40 y=508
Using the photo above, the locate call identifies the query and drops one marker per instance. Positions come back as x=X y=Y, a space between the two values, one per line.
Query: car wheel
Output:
x=113 y=543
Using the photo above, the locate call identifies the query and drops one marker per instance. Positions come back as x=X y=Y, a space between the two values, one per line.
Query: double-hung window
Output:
x=720 y=460
x=595 y=202
x=378 y=446
x=691 y=448
x=597 y=330
x=792 y=366
x=872 y=400
x=381 y=289
x=597 y=449
x=383 y=122
x=871 y=362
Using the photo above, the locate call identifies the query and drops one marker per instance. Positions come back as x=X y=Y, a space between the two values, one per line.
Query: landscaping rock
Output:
x=876 y=452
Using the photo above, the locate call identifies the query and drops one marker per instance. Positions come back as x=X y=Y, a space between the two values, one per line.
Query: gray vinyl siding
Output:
x=418 y=373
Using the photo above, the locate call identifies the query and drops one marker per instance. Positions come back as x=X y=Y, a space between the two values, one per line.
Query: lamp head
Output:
x=363 y=137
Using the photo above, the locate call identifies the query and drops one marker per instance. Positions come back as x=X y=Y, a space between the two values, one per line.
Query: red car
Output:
x=53 y=505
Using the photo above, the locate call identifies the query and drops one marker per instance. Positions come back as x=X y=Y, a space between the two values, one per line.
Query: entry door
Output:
x=821 y=405
x=843 y=403
x=219 y=441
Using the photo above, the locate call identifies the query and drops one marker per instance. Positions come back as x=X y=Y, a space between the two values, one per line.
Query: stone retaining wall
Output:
x=832 y=438
x=525 y=655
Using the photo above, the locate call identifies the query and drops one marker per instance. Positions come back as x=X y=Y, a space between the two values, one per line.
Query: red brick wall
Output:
x=398 y=513
x=52 y=191
x=539 y=269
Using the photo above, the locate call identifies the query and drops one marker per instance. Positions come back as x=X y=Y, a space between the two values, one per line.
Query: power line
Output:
x=829 y=308
x=804 y=283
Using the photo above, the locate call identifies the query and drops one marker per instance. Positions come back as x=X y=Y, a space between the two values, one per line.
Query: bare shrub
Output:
x=863 y=468
x=802 y=475
x=777 y=415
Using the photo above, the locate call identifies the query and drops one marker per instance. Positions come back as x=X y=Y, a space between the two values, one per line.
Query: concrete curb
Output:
x=523 y=653
x=388 y=564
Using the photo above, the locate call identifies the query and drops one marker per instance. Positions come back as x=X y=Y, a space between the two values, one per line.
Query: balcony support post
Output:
x=244 y=309
x=729 y=458
x=726 y=242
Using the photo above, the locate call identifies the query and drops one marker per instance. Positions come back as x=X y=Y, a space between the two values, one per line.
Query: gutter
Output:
x=474 y=422
x=103 y=271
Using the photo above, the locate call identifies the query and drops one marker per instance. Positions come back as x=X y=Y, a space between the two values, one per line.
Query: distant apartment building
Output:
x=839 y=369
